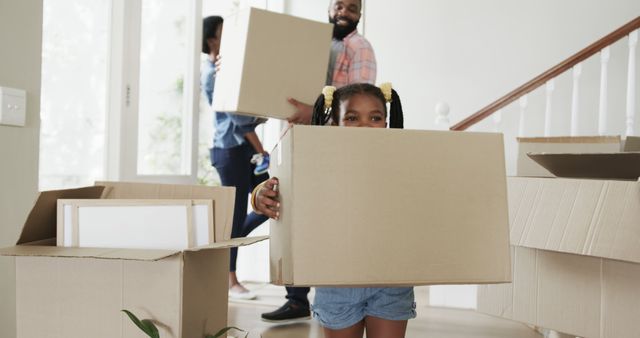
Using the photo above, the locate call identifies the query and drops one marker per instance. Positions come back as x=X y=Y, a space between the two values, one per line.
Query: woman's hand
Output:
x=218 y=63
x=266 y=199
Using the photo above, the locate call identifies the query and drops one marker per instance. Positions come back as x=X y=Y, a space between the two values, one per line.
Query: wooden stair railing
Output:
x=543 y=78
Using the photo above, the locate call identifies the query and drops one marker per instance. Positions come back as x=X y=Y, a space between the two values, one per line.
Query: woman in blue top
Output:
x=231 y=153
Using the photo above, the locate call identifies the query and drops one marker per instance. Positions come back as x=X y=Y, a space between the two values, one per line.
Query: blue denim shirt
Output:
x=230 y=128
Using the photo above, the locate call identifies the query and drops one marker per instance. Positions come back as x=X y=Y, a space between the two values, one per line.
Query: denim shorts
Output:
x=339 y=308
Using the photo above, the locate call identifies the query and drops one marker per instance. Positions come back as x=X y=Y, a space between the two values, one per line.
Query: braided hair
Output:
x=323 y=115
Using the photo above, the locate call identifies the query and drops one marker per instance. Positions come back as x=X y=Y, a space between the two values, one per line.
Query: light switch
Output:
x=13 y=106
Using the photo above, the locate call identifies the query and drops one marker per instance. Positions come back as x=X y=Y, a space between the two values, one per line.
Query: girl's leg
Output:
x=354 y=331
x=384 y=328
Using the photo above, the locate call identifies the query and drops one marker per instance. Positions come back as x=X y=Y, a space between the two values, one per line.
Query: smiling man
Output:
x=352 y=59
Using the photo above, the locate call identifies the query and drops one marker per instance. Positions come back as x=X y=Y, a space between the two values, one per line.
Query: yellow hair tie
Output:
x=385 y=88
x=327 y=91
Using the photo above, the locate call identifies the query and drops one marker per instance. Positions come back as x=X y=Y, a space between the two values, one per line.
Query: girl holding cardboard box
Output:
x=348 y=311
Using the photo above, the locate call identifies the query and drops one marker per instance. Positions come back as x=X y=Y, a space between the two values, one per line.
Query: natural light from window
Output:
x=74 y=79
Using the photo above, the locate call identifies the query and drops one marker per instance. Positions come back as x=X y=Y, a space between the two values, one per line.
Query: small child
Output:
x=349 y=311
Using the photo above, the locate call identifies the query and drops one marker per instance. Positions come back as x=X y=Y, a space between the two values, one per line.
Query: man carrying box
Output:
x=352 y=60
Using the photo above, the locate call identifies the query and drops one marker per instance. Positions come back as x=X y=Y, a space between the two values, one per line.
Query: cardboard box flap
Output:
x=41 y=222
x=223 y=199
x=571 y=139
x=631 y=143
x=101 y=253
x=232 y=243
x=599 y=218
x=624 y=166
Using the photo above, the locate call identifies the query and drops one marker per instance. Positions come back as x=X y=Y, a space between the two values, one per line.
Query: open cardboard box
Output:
x=267 y=58
x=576 y=256
x=68 y=292
x=369 y=206
x=560 y=144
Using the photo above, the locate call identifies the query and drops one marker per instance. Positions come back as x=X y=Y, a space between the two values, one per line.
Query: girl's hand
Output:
x=267 y=199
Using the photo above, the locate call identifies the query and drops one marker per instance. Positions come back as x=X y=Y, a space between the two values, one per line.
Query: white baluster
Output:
x=602 y=108
x=547 y=111
x=631 y=83
x=523 y=108
x=497 y=120
x=442 y=116
x=575 y=99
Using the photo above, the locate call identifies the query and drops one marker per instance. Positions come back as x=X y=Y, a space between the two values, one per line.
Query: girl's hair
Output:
x=322 y=115
x=209 y=29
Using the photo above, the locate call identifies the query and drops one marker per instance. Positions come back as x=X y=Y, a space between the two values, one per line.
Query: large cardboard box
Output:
x=268 y=57
x=576 y=257
x=561 y=144
x=78 y=292
x=368 y=206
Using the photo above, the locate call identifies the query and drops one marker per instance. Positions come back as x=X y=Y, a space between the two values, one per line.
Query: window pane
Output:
x=163 y=62
x=74 y=77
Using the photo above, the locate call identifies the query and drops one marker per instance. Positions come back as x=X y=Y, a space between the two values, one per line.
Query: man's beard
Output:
x=340 y=32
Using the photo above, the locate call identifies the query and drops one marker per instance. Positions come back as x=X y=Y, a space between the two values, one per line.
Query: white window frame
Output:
x=122 y=107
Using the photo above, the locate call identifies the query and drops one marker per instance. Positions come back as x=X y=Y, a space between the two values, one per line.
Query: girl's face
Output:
x=362 y=110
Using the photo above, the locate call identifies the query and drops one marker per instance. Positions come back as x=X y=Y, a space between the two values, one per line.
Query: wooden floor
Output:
x=430 y=323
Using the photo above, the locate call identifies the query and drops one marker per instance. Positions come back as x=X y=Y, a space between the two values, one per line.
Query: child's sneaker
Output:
x=262 y=163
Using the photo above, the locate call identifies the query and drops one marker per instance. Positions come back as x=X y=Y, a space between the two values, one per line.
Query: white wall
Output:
x=20 y=57
x=470 y=53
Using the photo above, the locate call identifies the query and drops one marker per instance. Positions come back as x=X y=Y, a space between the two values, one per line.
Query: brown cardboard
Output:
x=578 y=295
x=223 y=197
x=624 y=166
x=79 y=292
x=631 y=143
x=268 y=57
x=40 y=223
x=576 y=258
x=597 y=218
x=389 y=207
x=563 y=144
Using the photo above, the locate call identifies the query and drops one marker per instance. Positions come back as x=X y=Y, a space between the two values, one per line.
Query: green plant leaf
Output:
x=152 y=330
x=223 y=331
x=145 y=325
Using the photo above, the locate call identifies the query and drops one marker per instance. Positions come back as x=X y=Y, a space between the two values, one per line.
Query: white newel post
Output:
x=575 y=100
x=631 y=83
x=442 y=116
x=602 y=107
x=523 y=108
x=547 y=111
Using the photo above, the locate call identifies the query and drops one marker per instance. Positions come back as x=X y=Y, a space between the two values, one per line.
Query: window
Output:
x=75 y=44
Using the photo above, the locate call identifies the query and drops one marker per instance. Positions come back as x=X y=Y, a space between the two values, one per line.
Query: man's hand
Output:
x=267 y=199
x=303 y=112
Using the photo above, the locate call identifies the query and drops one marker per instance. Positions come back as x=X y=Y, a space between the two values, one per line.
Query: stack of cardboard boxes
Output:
x=575 y=249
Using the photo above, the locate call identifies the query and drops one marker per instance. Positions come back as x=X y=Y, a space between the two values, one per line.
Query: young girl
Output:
x=346 y=312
